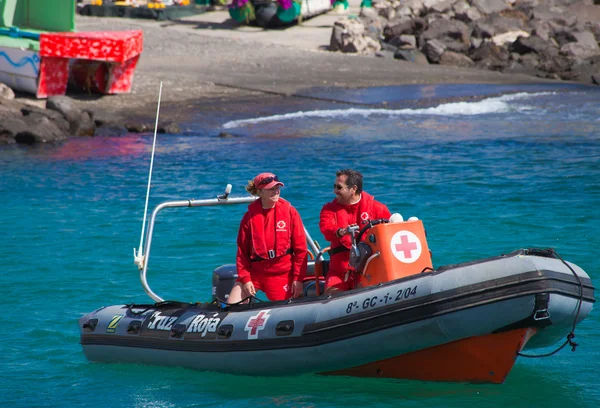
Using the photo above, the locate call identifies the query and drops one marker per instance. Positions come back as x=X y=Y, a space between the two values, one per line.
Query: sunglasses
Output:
x=338 y=187
x=267 y=180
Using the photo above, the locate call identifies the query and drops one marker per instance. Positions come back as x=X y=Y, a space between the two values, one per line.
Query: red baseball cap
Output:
x=266 y=180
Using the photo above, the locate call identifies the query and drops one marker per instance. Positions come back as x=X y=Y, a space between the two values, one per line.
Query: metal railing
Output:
x=142 y=260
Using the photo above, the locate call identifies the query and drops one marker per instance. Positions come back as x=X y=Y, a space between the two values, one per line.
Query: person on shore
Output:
x=351 y=206
x=272 y=251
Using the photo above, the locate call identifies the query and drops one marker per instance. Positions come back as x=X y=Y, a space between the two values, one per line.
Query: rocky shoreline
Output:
x=204 y=73
x=58 y=118
x=556 y=39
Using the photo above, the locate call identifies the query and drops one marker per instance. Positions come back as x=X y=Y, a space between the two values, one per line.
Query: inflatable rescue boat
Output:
x=463 y=322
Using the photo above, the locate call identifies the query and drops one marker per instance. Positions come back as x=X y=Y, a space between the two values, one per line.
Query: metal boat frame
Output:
x=223 y=199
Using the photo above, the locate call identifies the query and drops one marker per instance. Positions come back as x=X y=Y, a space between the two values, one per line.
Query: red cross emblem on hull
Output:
x=257 y=323
x=406 y=246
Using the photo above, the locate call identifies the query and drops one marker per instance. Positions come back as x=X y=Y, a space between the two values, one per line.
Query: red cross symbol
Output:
x=281 y=224
x=257 y=323
x=406 y=246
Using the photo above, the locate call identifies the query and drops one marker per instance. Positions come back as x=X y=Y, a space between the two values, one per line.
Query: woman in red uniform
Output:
x=272 y=251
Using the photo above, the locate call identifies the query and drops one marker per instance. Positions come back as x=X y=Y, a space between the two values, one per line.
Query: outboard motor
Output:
x=222 y=281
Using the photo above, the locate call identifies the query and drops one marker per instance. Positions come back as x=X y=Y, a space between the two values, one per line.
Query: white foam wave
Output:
x=498 y=104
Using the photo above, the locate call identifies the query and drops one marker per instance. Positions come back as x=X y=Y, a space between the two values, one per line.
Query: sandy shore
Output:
x=206 y=62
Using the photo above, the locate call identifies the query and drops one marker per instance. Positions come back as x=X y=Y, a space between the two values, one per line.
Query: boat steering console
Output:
x=360 y=252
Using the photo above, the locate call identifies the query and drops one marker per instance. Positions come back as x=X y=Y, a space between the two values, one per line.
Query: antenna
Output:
x=138 y=257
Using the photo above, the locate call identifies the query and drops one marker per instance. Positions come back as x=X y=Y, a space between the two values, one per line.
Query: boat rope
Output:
x=155 y=306
x=250 y=298
x=571 y=334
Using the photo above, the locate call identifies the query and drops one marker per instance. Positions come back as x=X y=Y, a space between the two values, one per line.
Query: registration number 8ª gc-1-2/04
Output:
x=388 y=298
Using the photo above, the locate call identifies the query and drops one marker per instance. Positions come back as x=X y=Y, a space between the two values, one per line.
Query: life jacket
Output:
x=365 y=213
x=283 y=225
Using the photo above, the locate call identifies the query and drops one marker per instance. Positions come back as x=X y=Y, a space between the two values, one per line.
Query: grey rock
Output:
x=362 y=45
x=169 y=127
x=524 y=45
x=527 y=3
x=467 y=14
x=388 y=47
x=490 y=6
x=85 y=126
x=496 y=24
x=350 y=38
x=564 y=36
x=585 y=13
x=433 y=50
x=385 y=54
x=6 y=92
x=31 y=113
x=138 y=127
x=441 y=6
x=547 y=12
x=417 y=6
x=490 y=56
x=415 y=27
x=64 y=105
x=554 y=64
x=80 y=123
x=10 y=125
x=476 y=43
x=373 y=26
x=542 y=29
x=594 y=28
x=411 y=56
x=454 y=34
x=456 y=59
x=40 y=129
x=529 y=60
x=578 y=51
x=515 y=67
x=335 y=42
x=404 y=41
x=586 y=70
x=404 y=11
x=587 y=40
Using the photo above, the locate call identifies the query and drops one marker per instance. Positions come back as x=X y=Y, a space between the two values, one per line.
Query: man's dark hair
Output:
x=353 y=178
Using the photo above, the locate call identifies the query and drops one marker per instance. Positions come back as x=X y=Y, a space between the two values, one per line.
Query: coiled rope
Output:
x=571 y=334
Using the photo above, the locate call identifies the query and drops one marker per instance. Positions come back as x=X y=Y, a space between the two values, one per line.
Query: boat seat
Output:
x=224 y=277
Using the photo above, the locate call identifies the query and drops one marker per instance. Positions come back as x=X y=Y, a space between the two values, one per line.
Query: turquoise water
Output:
x=486 y=177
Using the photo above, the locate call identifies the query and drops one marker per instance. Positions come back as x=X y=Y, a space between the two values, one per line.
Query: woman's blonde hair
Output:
x=251 y=188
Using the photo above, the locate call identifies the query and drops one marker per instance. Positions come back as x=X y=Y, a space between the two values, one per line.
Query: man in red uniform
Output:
x=272 y=250
x=351 y=206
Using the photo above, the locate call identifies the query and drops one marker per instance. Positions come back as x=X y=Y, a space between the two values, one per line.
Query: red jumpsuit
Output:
x=272 y=249
x=335 y=216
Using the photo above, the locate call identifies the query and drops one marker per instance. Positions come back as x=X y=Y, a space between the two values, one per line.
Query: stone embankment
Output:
x=56 y=119
x=556 y=39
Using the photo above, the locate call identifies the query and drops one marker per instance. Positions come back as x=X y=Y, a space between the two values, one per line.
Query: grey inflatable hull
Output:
x=322 y=334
